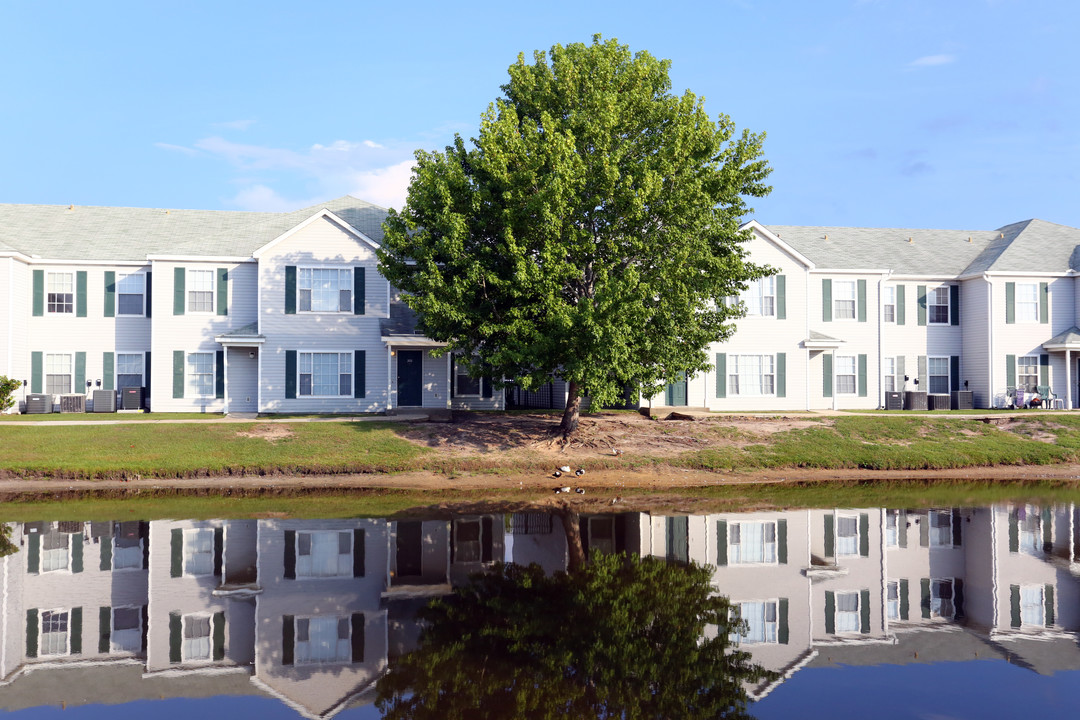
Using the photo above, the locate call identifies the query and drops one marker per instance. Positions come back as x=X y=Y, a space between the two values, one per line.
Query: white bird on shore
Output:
x=579 y=472
x=565 y=468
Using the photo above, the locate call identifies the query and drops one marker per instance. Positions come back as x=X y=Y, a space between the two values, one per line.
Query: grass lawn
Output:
x=98 y=417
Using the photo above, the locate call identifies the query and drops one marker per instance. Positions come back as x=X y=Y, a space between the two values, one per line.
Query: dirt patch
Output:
x=271 y=433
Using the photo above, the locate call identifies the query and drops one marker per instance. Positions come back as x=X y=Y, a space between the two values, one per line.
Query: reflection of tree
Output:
x=6 y=546
x=618 y=638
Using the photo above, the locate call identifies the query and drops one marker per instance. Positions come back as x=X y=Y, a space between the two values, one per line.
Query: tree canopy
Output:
x=590 y=231
x=619 y=638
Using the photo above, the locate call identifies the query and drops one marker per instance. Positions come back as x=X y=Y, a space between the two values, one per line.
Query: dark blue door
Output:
x=410 y=378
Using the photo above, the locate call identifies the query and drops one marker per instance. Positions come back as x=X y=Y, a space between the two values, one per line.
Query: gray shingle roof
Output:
x=109 y=233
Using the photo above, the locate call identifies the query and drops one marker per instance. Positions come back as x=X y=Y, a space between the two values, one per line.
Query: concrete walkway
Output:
x=232 y=418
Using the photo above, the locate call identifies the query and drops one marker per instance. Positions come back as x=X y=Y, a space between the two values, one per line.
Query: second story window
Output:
x=199 y=551
x=938 y=305
x=844 y=299
x=760 y=297
x=324 y=554
x=1027 y=302
x=325 y=289
x=751 y=542
x=889 y=302
x=200 y=291
x=130 y=291
x=61 y=293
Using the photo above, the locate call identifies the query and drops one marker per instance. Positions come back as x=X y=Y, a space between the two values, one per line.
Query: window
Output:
x=196 y=643
x=58 y=377
x=1027 y=302
x=199 y=551
x=1032 y=607
x=61 y=293
x=130 y=291
x=54 y=632
x=127 y=552
x=889 y=303
x=1030 y=528
x=467 y=541
x=847 y=535
x=465 y=386
x=326 y=374
x=847 y=612
x=938 y=305
x=844 y=299
x=941 y=599
x=761 y=622
x=1027 y=372
x=200 y=374
x=200 y=291
x=54 y=551
x=938 y=369
x=751 y=542
x=890 y=380
x=324 y=554
x=892 y=529
x=760 y=297
x=129 y=370
x=325 y=290
x=751 y=375
x=126 y=635
x=323 y=640
x=940 y=528
x=602 y=534
x=845 y=375
x=892 y=600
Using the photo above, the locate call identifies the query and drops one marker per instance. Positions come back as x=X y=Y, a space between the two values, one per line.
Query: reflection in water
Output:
x=313 y=613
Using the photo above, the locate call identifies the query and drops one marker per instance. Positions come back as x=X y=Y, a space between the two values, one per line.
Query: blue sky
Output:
x=960 y=114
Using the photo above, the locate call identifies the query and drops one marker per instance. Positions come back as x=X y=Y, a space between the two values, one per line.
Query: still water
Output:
x=928 y=613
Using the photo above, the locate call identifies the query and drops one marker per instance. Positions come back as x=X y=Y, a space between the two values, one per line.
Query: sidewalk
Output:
x=232 y=418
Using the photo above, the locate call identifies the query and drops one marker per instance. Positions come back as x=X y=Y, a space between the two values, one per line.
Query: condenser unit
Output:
x=131 y=398
x=38 y=404
x=72 y=403
x=104 y=401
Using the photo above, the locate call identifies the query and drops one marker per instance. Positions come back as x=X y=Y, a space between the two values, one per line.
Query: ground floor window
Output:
x=751 y=375
x=845 y=374
x=938 y=370
x=58 y=375
x=1027 y=372
x=199 y=551
x=200 y=374
x=890 y=379
x=941 y=531
x=761 y=622
x=129 y=370
x=1032 y=605
x=847 y=535
x=847 y=612
x=326 y=374
x=54 y=551
x=54 y=632
x=323 y=640
x=892 y=600
x=196 y=642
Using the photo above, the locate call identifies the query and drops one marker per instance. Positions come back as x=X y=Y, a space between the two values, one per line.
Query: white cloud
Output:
x=384 y=186
x=932 y=61
x=177 y=148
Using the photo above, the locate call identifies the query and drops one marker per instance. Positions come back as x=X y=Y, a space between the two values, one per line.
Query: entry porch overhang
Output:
x=821 y=341
x=245 y=336
x=1067 y=342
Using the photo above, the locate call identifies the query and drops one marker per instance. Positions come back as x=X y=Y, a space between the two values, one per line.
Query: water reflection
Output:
x=313 y=613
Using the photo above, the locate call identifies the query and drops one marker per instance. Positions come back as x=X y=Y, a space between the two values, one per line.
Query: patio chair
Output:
x=1019 y=396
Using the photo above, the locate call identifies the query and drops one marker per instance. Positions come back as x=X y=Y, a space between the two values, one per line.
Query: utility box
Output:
x=963 y=400
x=914 y=400
x=894 y=401
x=38 y=404
x=104 y=401
x=131 y=398
x=72 y=403
x=939 y=402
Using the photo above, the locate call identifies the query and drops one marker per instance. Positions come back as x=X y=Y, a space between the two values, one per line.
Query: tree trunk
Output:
x=572 y=412
x=572 y=527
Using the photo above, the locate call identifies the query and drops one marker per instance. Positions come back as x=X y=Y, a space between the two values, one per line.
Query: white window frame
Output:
x=600 y=543
x=1027 y=308
x=767 y=550
x=889 y=379
x=141 y=294
x=934 y=299
x=189 y=391
x=306 y=570
x=941 y=361
x=845 y=616
x=115 y=647
x=42 y=550
x=300 y=289
x=460 y=373
x=1030 y=531
x=343 y=357
x=892 y=600
x=769 y=628
x=116 y=553
x=940 y=534
x=1027 y=611
x=142 y=372
x=892 y=528
x=190 y=291
x=302 y=655
x=478 y=556
x=68 y=300
x=842 y=300
x=71 y=373
x=888 y=302
x=847 y=546
x=839 y=361
x=1027 y=361
x=189 y=557
x=42 y=650
x=938 y=606
x=759 y=298
x=186 y=656
x=751 y=384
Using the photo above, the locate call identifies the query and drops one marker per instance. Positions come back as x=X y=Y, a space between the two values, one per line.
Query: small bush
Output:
x=7 y=392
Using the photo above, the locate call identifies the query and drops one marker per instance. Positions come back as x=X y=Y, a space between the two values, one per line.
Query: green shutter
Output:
x=75 y=631
x=222 y=291
x=219 y=374
x=219 y=549
x=957 y=528
x=900 y=305
x=781 y=297
x=359 y=550
x=178 y=373
x=781 y=375
x=76 y=552
x=830 y=536
x=920 y=294
x=176 y=553
x=359 y=291
x=901 y=527
x=33 y=554
x=826 y=300
x=39 y=294
x=110 y=293
x=149 y=295
x=80 y=293
x=1044 y=369
x=861 y=300
x=905 y=605
x=290 y=374
x=37 y=362
x=954 y=373
x=721 y=375
x=954 y=304
x=179 y=279
x=176 y=630
x=1014 y=606
x=147 y=375
x=288 y=633
x=925 y=600
x=80 y=372
x=830 y=612
x=721 y=542
x=924 y=530
x=864 y=535
x=1044 y=303
x=219 y=635
x=1014 y=531
x=1010 y=371
x=290 y=555
x=783 y=634
x=958 y=597
x=32 y=633
x=864 y=612
x=106 y=553
x=781 y=542
x=826 y=374
x=360 y=370
x=1048 y=529
x=290 y=289
x=104 y=629
x=1048 y=599
x=862 y=375
x=1010 y=303
x=357 y=637
x=108 y=371
x=923 y=384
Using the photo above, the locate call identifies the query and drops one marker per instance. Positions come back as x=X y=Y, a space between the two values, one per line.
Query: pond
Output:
x=884 y=612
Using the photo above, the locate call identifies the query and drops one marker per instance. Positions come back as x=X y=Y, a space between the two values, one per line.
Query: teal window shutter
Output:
x=357 y=637
x=721 y=375
x=176 y=629
x=1014 y=605
x=147 y=374
x=864 y=535
x=830 y=535
x=33 y=554
x=1048 y=529
x=287 y=639
x=178 y=373
x=923 y=385
x=290 y=374
x=826 y=300
x=32 y=633
x=905 y=603
x=1010 y=370
x=359 y=290
x=80 y=372
x=37 y=360
x=219 y=550
x=900 y=305
x=105 y=563
x=104 y=629
x=359 y=550
x=1048 y=599
x=924 y=585
x=289 y=557
x=830 y=612
x=861 y=285
x=179 y=282
x=219 y=374
x=176 y=553
x=149 y=296
x=110 y=293
x=360 y=368
x=862 y=375
x=75 y=631
x=39 y=293
x=80 y=293
x=108 y=371
x=1044 y=369
x=1010 y=303
x=826 y=375
x=781 y=297
x=721 y=542
x=920 y=292
x=901 y=526
x=954 y=304
x=954 y=373
x=219 y=635
x=781 y=375
x=1044 y=303
x=900 y=371
x=290 y=289
x=782 y=633
x=222 y=291
x=864 y=612
x=76 y=552
x=924 y=531
x=957 y=528
x=781 y=542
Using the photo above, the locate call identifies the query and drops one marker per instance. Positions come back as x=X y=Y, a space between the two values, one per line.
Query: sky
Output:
x=878 y=113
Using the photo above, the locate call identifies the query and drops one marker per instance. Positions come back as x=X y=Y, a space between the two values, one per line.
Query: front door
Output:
x=410 y=378
x=409 y=548
x=676 y=393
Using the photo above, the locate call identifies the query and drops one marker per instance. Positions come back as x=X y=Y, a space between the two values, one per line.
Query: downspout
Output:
x=990 y=335
x=389 y=380
x=806 y=334
x=881 y=337
x=258 y=331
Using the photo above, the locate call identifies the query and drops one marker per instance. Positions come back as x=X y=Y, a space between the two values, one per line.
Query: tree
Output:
x=620 y=638
x=7 y=392
x=590 y=232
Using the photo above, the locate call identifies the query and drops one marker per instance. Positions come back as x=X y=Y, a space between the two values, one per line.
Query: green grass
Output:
x=98 y=417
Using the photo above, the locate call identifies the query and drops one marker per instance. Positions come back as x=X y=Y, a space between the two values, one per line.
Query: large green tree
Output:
x=590 y=231
x=619 y=638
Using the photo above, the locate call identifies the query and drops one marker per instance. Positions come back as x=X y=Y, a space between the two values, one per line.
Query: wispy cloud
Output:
x=932 y=61
x=177 y=148
x=917 y=167
x=235 y=124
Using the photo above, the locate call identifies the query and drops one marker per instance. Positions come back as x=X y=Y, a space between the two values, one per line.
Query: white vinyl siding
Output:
x=325 y=290
x=751 y=375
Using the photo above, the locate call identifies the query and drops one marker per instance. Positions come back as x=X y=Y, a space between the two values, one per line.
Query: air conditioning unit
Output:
x=894 y=400
x=38 y=404
x=72 y=403
x=131 y=398
x=104 y=401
